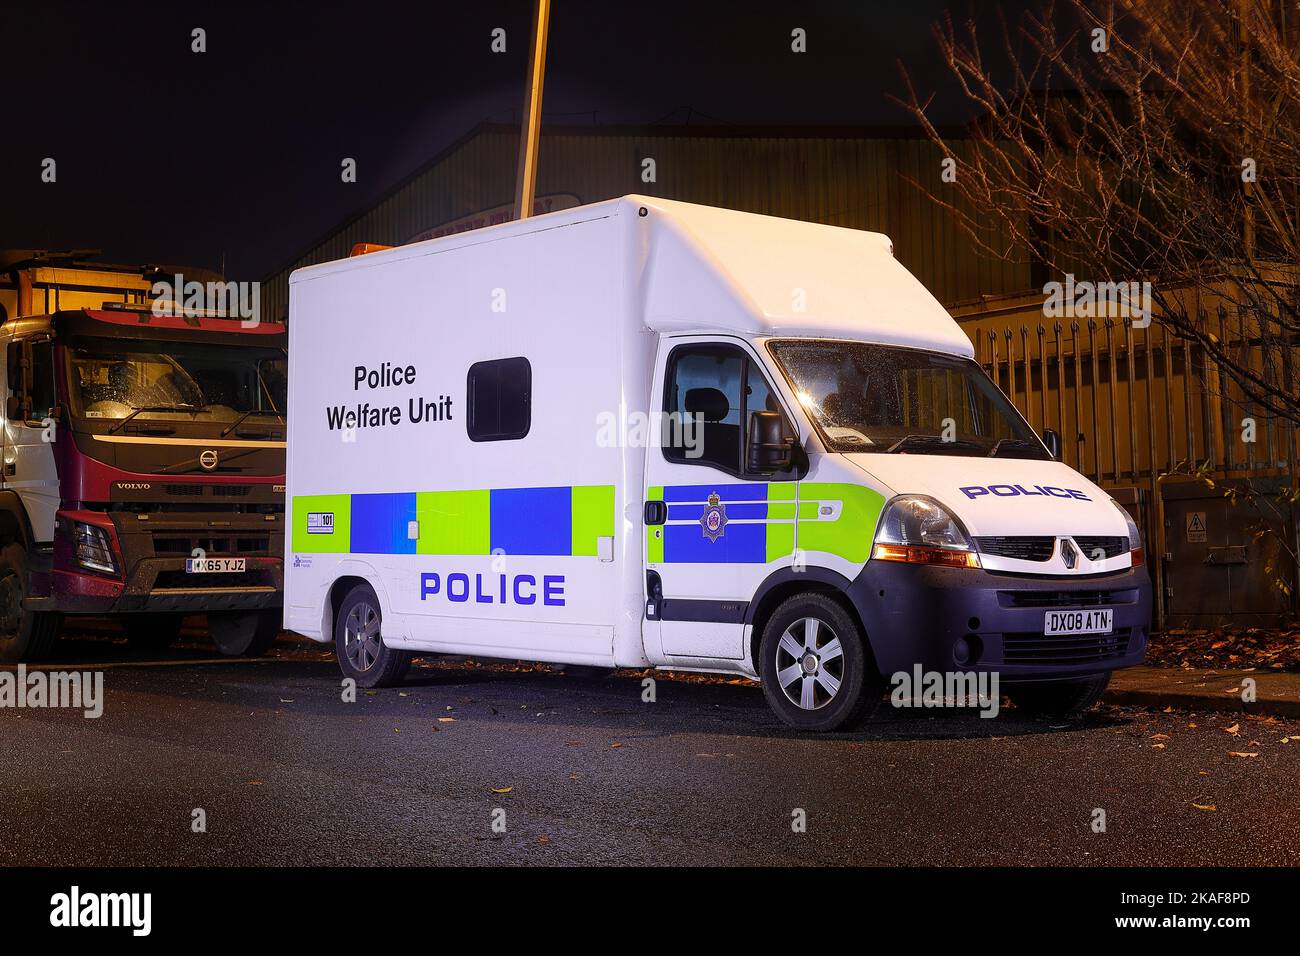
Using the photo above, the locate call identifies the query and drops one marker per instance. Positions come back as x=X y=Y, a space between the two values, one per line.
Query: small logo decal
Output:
x=208 y=459
x=714 y=519
x=1068 y=553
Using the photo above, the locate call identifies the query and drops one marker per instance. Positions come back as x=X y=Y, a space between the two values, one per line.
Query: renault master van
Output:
x=645 y=433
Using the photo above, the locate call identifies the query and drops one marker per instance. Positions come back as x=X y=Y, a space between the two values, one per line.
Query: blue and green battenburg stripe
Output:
x=761 y=522
x=566 y=520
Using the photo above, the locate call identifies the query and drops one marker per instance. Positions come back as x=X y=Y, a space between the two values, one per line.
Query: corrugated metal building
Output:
x=858 y=177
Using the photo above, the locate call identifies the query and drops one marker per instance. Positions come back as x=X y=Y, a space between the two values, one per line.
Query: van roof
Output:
x=704 y=268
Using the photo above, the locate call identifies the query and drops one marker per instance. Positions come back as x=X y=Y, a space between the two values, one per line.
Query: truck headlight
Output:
x=92 y=548
x=1134 y=535
x=916 y=529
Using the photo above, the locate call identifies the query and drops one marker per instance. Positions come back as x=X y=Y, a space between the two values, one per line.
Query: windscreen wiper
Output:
x=929 y=441
x=1023 y=444
x=252 y=411
x=152 y=408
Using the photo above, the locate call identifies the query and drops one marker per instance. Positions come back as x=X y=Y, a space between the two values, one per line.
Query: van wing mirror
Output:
x=1053 y=442
x=768 y=448
x=14 y=409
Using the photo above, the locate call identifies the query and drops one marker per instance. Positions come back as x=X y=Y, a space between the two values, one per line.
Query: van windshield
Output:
x=887 y=399
x=118 y=379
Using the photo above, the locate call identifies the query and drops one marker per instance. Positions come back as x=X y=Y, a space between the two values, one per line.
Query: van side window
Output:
x=708 y=396
x=499 y=399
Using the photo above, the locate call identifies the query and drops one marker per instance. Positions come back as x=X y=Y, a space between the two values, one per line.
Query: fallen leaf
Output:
x=1157 y=746
x=1159 y=736
x=615 y=745
x=446 y=720
x=543 y=840
x=1238 y=753
x=1234 y=729
x=502 y=789
x=1205 y=806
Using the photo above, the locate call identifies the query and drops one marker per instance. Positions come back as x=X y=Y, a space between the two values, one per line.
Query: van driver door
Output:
x=715 y=525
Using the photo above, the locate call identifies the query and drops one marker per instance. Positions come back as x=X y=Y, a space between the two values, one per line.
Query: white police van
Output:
x=644 y=433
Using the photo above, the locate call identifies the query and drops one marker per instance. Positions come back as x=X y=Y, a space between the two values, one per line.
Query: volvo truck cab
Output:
x=143 y=463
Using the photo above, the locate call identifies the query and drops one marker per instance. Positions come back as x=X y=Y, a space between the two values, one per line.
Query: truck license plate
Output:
x=1096 y=620
x=214 y=565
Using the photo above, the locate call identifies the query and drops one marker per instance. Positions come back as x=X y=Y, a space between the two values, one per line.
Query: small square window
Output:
x=499 y=401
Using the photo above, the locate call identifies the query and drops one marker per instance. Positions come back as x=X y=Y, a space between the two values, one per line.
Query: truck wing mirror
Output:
x=768 y=447
x=1053 y=442
x=14 y=408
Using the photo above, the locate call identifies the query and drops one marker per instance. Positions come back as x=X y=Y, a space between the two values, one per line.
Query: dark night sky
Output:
x=169 y=156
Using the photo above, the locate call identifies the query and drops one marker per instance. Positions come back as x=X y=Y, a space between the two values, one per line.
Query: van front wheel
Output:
x=816 y=672
x=359 y=642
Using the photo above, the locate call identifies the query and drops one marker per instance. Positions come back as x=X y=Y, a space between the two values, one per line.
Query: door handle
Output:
x=656 y=512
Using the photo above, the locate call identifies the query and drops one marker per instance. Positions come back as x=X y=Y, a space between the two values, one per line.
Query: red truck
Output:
x=143 y=476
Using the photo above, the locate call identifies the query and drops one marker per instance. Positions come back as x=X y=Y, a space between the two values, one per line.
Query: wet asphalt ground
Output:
x=500 y=764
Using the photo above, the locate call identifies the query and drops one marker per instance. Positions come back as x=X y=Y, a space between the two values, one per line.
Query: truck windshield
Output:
x=117 y=379
x=880 y=398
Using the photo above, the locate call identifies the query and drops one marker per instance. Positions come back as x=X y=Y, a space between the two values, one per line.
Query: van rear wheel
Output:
x=816 y=672
x=25 y=635
x=359 y=642
x=1067 y=698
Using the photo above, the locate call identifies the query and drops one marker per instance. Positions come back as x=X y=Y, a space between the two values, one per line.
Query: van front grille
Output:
x=1065 y=599
x=1022 y=548
x=1110 y=546
x=1036 y=648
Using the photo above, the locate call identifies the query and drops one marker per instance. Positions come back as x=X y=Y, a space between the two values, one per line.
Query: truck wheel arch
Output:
x=782 y=584
x=15 y=525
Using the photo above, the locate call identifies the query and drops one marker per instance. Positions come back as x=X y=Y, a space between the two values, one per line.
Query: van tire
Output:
x=244 y=633
x=151 y=633
x=1058 y=698
x=851 y=672
x=25 y=635
x=383 y=666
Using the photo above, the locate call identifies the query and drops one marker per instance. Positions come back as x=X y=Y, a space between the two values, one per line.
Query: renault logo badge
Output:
x=208 y=460
x=1069 y=554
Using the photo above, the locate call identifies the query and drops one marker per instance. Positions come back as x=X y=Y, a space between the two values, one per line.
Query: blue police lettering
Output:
x=518 y=589
x=1016 y=491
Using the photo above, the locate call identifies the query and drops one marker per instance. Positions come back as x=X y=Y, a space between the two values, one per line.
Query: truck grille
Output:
x=1023 y=548
x=211 y=544
x=1036 y=648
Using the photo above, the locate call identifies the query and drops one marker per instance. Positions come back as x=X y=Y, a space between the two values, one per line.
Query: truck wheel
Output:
x=1067 y=698
x=816 y=672
x=244 y=633
x=24 y=635
x=151 y=633
x=359 y=644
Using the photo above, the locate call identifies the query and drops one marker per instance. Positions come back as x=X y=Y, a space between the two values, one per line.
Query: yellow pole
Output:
x=531 y=129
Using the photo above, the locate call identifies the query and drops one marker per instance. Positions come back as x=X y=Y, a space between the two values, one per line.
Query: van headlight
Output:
x=1134 y=535
x=92 y=549
x=916 y=529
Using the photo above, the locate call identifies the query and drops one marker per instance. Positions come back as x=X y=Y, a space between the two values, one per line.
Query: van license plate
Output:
x=1096 y=620
x=214 y=565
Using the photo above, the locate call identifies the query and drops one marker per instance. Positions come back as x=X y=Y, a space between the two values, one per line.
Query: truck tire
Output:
x=817 y=674
x=24 y=635
x=359 y=643
x=1058 y=698
x=151 y=633
x=244 y=633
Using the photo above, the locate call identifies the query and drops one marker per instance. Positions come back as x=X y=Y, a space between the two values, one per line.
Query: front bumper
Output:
x=927 y=616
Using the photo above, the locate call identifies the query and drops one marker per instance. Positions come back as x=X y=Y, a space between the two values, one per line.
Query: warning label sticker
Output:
x=1196 y=527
